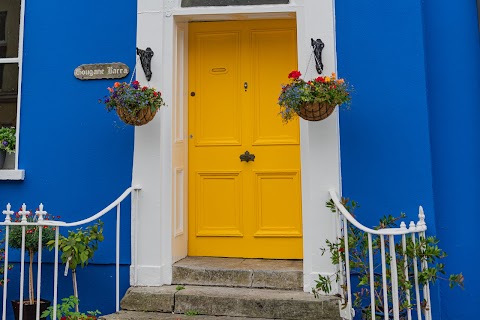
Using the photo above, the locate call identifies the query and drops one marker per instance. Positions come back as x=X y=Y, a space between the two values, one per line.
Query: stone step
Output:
x=138 y=315
x=232 y=302
x=233 y=272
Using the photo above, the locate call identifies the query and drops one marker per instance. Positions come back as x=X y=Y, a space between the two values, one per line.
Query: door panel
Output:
x=218 y=67
x=277 y=209
x=219 y=204
x=237 y=208
x=269 y=45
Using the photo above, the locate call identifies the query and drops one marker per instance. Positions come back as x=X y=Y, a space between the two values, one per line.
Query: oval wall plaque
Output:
x=115 y=70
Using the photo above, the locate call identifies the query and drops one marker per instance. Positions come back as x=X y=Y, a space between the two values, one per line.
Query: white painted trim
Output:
x=9 y=60
x=12 y=174
x=20 y=78
x=191 y=12
x=19 y=60
x=147 y=276
x=153 y=167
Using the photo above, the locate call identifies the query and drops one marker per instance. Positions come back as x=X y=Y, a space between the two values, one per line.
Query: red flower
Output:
x=320 y=79
x=341 y=250
x=294 y=74
x=155 y=94
x=144 y=88
x=135 y=83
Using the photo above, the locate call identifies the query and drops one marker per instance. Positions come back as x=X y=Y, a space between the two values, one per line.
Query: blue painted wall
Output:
x=385 y=147
x=77 y=157
x=453 y=69
x=402 y=147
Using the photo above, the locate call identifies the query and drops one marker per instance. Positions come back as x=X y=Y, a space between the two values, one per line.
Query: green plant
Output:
x=192 y=313
x=425 y=249
x=32 y=235
x=64 y=311
x=180 y=287
x=299 y=92
x=78 y=248
x=132 y=97
x=7 y=139
x=2 y=268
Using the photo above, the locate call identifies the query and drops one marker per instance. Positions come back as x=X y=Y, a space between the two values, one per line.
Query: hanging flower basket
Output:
x=312 y=100
x=135 y=118
x=315 y=111
x=135 y=105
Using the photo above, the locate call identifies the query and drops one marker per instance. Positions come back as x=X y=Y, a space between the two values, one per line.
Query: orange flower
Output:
x=116 y=84
x=110 y=89
x=340 y=81
x=334 y=75
x=327 y=79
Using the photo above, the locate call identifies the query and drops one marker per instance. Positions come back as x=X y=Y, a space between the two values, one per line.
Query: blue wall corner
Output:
x=453 y=64
x=385 y=136
x=385 y=143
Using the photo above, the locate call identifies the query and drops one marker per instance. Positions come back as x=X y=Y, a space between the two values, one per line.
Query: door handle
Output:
x=247 y=156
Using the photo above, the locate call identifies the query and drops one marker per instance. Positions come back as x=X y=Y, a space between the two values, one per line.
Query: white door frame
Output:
x=159 y=235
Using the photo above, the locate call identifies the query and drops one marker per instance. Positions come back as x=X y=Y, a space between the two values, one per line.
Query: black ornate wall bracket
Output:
x=318 y=46
x=146 y=60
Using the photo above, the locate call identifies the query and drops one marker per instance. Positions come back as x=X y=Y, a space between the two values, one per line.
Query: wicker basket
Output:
x=316 y=111
x=141 y=117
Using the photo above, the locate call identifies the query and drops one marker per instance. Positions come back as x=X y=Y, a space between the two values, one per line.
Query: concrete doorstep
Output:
x=229 y=302
x=138 y=315
x=237 y=272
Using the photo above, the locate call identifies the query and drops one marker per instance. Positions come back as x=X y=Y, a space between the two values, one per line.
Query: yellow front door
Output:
x=238 y=208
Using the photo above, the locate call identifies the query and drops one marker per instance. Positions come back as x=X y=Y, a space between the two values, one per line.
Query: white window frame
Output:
x=16 y=173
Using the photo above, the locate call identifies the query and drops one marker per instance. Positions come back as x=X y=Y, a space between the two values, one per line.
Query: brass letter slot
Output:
x=216 y=70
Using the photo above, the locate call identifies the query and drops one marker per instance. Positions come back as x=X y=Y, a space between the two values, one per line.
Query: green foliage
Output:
x=425 y=250
x=79 y=246
x=31 y=233
x=64 y=311
x=192 y=313
x=132 y=98
x=299 y=92
x=7 y=139
x=2 y=257
x=180 y=287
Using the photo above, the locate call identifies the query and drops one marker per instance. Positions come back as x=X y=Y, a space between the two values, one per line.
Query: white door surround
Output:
x=160 y=147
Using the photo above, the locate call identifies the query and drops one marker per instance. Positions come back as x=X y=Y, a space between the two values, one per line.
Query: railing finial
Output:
x=411 y=226
x=24 y=213
x=403 y=225
x=8 y=213
x=421 y=218
x=40 y=213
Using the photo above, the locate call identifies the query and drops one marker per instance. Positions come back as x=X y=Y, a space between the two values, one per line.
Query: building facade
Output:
x=410 y=137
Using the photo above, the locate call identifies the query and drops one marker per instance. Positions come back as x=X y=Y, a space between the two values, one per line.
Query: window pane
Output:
x=9 y=28
x=3 y=23
x=8 y=94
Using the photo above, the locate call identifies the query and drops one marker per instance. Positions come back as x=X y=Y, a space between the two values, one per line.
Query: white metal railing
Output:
x=388 y=260
x=41 y=222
